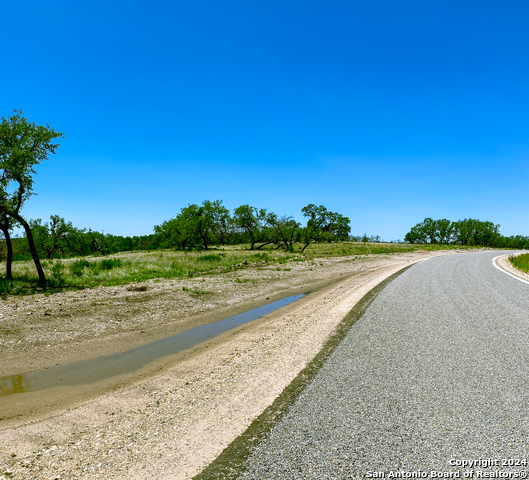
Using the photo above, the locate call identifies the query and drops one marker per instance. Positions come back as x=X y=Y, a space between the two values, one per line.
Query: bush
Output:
x=77 y=267
x=110 y=263
x=57 y=275
x=5 y=286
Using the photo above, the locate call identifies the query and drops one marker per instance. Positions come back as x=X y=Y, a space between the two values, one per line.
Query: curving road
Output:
x=435 y=373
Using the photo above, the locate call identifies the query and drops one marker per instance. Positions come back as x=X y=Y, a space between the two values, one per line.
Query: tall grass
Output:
x=124 y=268
x=520 y=261
x=128 y=267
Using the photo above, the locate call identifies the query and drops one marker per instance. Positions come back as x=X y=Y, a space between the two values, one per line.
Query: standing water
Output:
x=101 y=368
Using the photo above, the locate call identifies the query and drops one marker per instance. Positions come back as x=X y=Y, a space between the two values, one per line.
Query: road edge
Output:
x=230 y=463
x=503 y=265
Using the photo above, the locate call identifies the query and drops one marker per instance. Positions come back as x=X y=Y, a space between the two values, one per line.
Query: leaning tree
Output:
x=22 y=146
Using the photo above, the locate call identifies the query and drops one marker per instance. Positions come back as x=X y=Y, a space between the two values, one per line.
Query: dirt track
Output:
x=173 y=418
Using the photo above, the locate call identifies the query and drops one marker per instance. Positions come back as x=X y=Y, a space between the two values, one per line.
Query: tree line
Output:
x=58 y=238
x=467 y=232
x=195 y=227
x=200 y=226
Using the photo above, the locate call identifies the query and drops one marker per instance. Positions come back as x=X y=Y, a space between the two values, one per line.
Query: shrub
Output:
x=5 y=286
x=110 y=263
x=57 y=275
x=77 y=267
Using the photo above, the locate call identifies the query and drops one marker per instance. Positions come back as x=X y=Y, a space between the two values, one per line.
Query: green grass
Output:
x=360 y=248
x=520 y=261
x=130 y=267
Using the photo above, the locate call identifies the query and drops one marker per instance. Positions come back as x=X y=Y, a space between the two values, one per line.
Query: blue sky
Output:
x=384 y=111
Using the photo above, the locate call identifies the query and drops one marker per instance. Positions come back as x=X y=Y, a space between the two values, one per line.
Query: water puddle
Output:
x=101 y=368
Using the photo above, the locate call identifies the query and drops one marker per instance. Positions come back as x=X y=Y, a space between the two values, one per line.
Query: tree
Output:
x=6 y=225
x=415 y=235
x=211 y=217
x=22 y=146
x=431 y=231
x=97 y=242
x=253 y=222
x=180 y=231
x=195 y=226
x=475 y=232
x=222 y=222
x=445 y=229
x=469 y=232
x=285 y=230
x=55 y=237
x=324 y=225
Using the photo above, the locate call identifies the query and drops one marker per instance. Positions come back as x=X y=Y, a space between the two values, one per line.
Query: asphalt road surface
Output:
x=433 y=378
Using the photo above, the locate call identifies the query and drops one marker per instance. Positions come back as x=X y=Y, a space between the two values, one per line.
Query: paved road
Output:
x=437 y=369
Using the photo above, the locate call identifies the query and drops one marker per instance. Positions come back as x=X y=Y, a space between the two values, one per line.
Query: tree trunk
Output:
x=33 y=250
x=204 y=240
x=253 y=242
x=264 y=244
x=9 y=259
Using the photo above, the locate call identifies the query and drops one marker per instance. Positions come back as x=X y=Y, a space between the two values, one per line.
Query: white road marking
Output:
x=505 y=271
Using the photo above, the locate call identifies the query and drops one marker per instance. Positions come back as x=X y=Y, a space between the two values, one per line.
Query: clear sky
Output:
x=385 y=111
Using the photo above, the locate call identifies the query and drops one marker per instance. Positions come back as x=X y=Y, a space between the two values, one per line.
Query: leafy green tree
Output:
x=445 y=231
x=195 y=225
x=429 y=227
x=222 y=222
x=475 y=232
x=517 y=242
x=415 y=235
x=180 y=231
x=469 y=232
x=324 y=225
x=97 y=242
x=286 y=231
x=22 y=146
x=53 y=237
x=210 y=218
x=253 y=222
x=339 y=228
x=431 y=231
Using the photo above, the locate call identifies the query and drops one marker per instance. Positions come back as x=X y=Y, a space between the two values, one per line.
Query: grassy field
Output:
x=129 y=267
x=521 y=262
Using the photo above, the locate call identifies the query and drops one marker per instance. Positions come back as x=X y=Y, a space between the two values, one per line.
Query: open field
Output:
x=129 y=267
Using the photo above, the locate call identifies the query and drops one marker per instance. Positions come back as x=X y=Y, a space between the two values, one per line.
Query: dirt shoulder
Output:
x=173 y=418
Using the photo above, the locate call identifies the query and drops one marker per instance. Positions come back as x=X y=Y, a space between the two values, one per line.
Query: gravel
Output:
x=436 y=370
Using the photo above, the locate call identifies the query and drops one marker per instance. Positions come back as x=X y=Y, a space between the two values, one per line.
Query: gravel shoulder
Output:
x=173 y=418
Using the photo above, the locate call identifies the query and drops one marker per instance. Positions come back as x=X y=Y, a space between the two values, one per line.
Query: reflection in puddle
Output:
x=96 y=369
x=14 y=384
